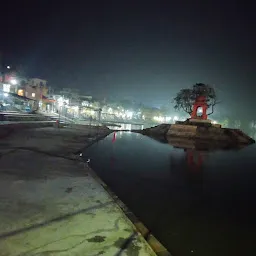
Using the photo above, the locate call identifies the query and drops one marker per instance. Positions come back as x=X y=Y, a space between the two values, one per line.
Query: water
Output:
x=129 y=127
x=204 y=210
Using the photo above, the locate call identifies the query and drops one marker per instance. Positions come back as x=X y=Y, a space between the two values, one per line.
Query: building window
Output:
x=33 y=95
x=20 y=92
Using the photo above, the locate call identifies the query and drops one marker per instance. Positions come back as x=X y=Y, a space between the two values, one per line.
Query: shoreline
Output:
x=38 y=160
x=152 y=241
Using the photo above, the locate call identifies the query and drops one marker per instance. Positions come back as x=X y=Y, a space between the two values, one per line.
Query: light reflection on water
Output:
x=129 y=127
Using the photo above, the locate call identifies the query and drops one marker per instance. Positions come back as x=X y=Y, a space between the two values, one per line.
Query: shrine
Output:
x=200 y=102
x=196 y=101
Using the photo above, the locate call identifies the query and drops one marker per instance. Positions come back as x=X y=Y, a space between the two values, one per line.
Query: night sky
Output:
x=141 y=50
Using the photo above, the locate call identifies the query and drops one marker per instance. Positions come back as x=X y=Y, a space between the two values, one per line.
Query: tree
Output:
x=185 y=98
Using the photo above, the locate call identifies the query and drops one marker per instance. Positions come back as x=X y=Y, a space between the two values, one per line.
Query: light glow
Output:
x=129 y=114
x=6 y=87
x=13 y=81
x=159 y=119
x=20 y=92
x=60 y=101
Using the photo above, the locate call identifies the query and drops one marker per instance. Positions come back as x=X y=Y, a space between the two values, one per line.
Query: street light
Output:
x=8 y=67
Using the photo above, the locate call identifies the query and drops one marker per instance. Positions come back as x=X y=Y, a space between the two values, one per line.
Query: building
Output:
x=37 y=90
x=11 y=82
x=34 y=89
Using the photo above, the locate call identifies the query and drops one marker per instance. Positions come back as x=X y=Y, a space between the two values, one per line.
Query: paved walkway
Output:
x=51 y=205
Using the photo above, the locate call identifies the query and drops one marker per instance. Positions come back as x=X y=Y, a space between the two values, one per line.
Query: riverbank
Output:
x=51 y=204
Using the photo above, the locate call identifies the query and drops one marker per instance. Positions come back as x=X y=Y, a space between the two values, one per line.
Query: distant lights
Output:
x=13 y=81
x=76 y=108
x=129 y=114
x=6 y=87
x=162 y=119
x=158 y=118
x=60 y=101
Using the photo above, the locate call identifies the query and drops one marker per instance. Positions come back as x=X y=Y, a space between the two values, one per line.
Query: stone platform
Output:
x=200 y=130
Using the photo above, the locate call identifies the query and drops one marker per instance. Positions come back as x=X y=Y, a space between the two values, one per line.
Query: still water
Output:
x=129 y=127
x=202 y=209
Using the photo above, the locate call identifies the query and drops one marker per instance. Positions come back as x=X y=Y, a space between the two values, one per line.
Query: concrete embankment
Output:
x=50 y=202
x=199 y=132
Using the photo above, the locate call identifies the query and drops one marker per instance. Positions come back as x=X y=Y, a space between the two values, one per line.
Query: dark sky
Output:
x=146 y=50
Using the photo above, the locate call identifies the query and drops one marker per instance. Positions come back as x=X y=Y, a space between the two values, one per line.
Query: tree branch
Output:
x=213 y=104
x=184 y=109
x=212 y=110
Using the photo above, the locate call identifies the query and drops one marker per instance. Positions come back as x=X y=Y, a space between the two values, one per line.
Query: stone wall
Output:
x=213 y=133
x=160 y=130
x=200 y=132
x=182 y=130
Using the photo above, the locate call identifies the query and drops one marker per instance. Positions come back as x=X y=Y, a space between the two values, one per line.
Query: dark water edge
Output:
x=208 y=210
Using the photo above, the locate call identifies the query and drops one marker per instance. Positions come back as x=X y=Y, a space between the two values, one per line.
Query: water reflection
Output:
x=126 y=127
x=129 y=127
x=191 y=194
x=198 y=145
